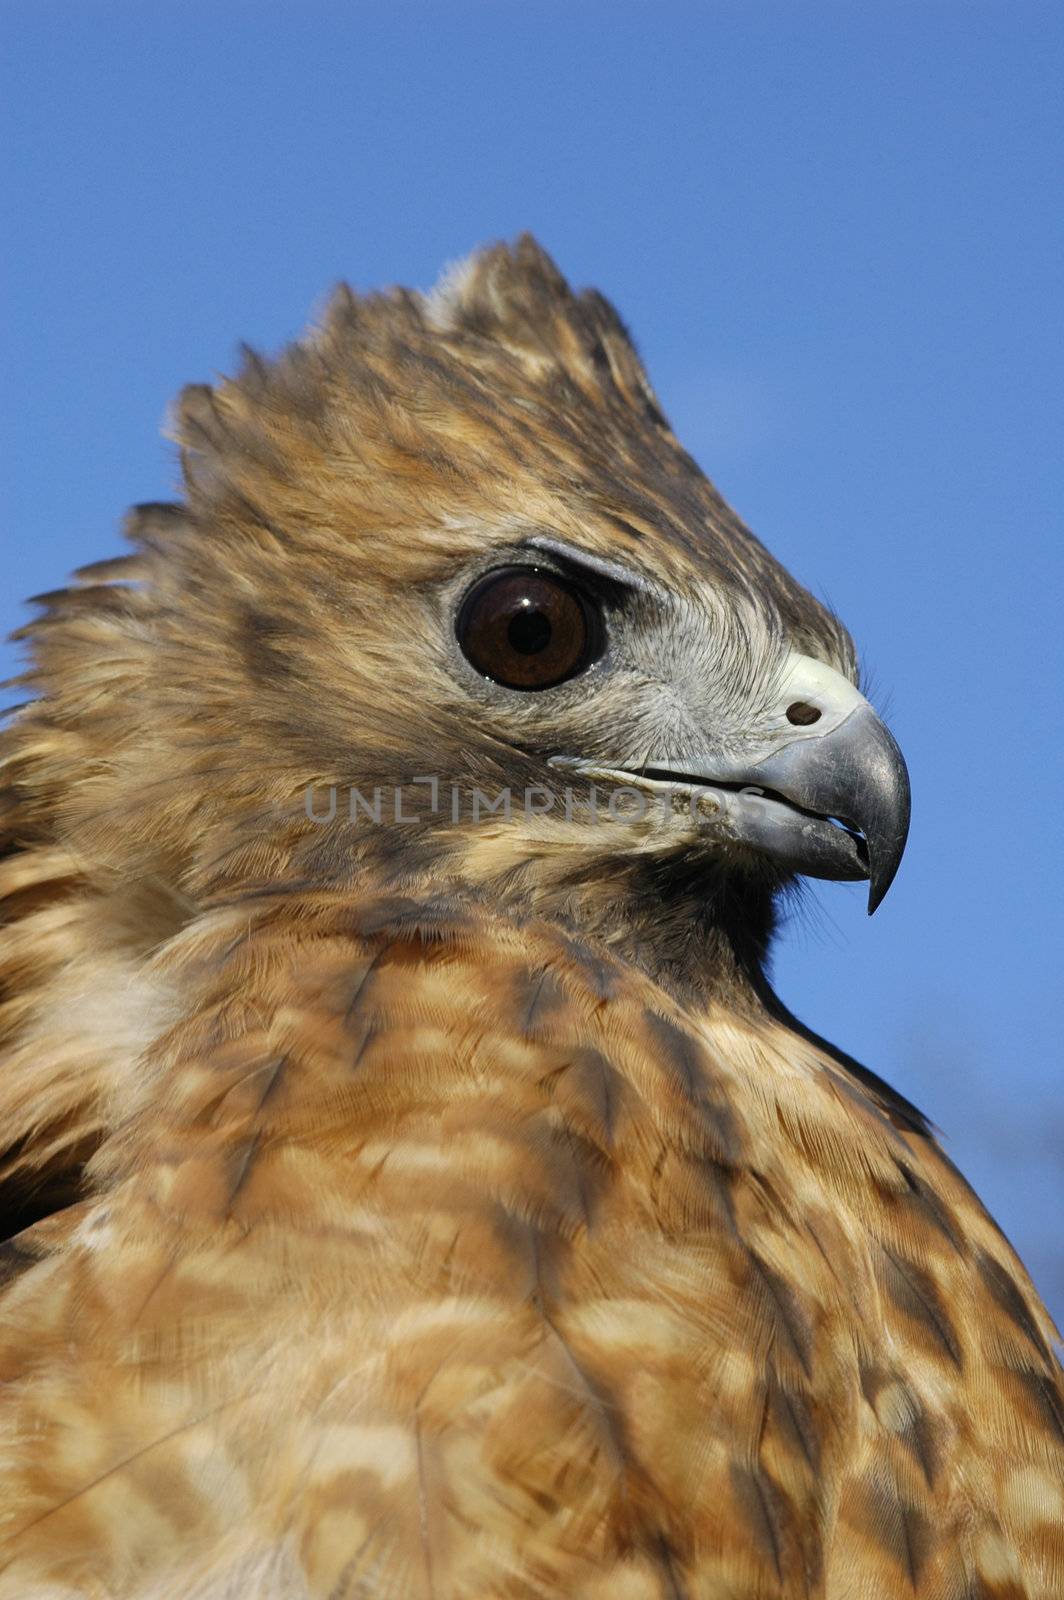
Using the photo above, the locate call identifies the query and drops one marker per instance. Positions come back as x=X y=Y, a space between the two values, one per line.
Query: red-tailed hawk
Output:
x=415 y=1189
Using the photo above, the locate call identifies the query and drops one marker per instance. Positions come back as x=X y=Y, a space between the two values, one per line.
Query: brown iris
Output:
x=526 y=628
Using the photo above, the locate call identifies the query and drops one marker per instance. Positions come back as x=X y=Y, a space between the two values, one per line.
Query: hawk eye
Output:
x=527 y=628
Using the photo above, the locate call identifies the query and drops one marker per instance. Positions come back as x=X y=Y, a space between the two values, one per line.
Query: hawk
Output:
x=414 y=1187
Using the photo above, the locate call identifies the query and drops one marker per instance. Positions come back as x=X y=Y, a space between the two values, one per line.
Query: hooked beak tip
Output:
x=892 y=812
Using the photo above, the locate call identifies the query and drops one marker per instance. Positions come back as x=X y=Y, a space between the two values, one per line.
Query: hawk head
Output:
x=447 y=602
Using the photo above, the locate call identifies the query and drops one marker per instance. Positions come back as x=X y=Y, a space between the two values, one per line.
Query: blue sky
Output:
x=835 y=230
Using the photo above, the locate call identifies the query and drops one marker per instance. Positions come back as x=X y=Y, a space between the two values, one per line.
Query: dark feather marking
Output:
x=240 y=1167
x=626 y=527
x=600 y=976
x=791 y=1410
x=655 y=1177
x=274 y=890
x=917 y=1538
x=578 y=1168
x=537 y=995
x=872 y=1380
x=1047 y=1392
x=145 y=522
x=686 y=1057
x=384 y=915
x=913 y=1292
x=788 y=1312
x=592 y=1075
x=931 y=1206
x=1006 y=1294
x=262 y=640
x=899 y=1529
x=599 y=359
x=370 y=1035
x=675 y=1591
x=682 y=1053
x=355 y=1006
x=755 y=1495
x=655 y=414
x=922 y=1436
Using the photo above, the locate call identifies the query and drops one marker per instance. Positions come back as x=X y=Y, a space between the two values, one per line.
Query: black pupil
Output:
x=530 y=631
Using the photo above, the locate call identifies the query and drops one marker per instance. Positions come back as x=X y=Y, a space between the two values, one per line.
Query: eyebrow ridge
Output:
x=615 y=571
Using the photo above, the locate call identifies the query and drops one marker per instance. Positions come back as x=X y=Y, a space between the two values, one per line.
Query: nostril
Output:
x=801 y=713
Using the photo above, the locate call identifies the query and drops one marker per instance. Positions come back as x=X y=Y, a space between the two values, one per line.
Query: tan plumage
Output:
x=451 y=1210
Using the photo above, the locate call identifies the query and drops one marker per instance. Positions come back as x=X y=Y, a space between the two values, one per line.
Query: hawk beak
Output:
x=827 y=796
x=856 y=775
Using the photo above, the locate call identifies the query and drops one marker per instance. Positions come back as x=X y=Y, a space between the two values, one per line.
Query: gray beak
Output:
x=856 y=774
x=827 y=794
